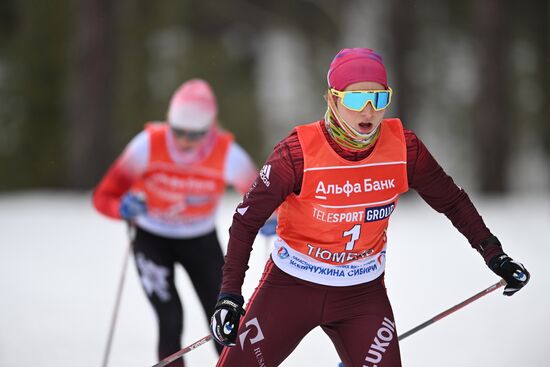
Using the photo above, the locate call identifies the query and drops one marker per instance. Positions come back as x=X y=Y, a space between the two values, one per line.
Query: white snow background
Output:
x=60 y=263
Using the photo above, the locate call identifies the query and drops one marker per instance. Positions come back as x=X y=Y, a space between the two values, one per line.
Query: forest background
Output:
x=79 y=78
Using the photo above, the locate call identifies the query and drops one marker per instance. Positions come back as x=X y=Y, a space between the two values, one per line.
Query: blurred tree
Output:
x=133 y=97
x=214 y=35
x=403 y=25
x=531 y=88
x=293 y=42
x=9 y=22
x=79 y=78
x=90 y=90
x=541 y=19
x=225 y=45
x=33 y=67
x=493 y=125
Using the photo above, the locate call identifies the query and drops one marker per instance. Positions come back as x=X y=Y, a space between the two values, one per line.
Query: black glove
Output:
x=514 y=273
x=224 y=323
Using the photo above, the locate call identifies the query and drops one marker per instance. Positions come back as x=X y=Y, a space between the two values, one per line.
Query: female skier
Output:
x=168 y=182
x=335 y=183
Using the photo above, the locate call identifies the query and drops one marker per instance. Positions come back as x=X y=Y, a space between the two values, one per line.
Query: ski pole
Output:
x=449 y=311
x=172 y=357
x=106 y=353
x=453 y=309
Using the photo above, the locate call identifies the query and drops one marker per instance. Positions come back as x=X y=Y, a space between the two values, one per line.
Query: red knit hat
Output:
x=353 y=65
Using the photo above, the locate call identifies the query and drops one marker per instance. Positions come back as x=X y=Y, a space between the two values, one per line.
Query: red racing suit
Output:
x=286 y=305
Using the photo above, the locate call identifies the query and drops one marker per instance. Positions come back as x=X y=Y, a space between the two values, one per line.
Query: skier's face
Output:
x=186 y=144
x=188 y=140
x=368 y=119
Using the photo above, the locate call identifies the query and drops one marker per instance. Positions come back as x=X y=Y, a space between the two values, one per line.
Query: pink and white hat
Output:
x=193 y=106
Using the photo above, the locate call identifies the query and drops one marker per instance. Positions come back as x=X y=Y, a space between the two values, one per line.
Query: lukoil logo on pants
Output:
x=384 y=336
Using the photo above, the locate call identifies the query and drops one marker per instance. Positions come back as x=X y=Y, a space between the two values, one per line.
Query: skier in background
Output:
x=168 y=182
x=335 y=183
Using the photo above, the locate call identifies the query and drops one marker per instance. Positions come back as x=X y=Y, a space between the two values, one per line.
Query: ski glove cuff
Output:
x=224 y=323
x=490 y=248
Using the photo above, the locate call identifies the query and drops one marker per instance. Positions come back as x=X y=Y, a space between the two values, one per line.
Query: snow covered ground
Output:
x=60 y=263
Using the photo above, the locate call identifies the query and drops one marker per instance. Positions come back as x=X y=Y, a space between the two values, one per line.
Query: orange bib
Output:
x=178 y=193
x=343 y=209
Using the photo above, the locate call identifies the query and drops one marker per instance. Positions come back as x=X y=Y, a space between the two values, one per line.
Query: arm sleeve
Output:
x=263 y=198
x=126 y=170
x=440 y=192
x=240 y=171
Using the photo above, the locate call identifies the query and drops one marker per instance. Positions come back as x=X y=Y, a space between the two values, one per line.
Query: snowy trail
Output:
x=60 y=263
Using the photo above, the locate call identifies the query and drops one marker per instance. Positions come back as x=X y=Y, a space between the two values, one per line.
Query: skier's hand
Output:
x=132 y=205
x=270 y=226
x=224 y=323
x=514 y=273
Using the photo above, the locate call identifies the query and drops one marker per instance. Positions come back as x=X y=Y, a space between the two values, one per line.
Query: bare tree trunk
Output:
x=402 y=30
x=493 y=122
x=536 y=18
x=90 y=91
x=544 y=44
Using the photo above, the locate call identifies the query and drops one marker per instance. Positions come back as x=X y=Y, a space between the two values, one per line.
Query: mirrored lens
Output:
x=382 y=100
x=357 y=100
